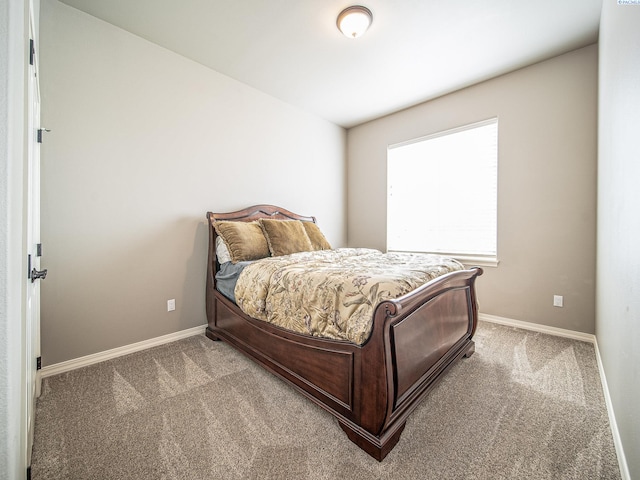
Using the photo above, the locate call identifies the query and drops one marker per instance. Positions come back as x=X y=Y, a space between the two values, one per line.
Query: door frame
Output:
x=32 y=237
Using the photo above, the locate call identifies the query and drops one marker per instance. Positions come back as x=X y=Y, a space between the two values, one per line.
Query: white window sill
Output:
x=466 y=260
x=477 y=261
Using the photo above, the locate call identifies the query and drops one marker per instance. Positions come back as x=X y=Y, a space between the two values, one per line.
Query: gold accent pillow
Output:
x=318 y=240
x=285 y=236
x=244 y=240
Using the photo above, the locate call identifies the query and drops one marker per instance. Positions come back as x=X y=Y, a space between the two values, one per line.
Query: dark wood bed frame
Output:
x=371 y=389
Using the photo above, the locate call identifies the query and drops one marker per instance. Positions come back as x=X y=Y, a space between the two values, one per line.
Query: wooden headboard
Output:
x=250 y=214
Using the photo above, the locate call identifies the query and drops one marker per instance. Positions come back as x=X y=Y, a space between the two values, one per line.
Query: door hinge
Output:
x=29 y=473
x=39 y=363
x=40 y=130
x=32 y=51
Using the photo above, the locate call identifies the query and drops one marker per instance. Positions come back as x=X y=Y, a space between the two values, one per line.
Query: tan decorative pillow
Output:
x=244 y=240
x=285 y=236
x=318 y=240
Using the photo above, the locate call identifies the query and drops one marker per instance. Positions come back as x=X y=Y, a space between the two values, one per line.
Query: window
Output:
x=442 y=194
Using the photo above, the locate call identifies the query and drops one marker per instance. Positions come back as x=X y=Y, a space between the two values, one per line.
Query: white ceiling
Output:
x=415 y=50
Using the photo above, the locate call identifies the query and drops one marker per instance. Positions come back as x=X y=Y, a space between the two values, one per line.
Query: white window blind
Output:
x=442 y=193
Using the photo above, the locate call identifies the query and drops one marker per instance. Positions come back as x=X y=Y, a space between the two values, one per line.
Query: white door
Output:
x=34 y=250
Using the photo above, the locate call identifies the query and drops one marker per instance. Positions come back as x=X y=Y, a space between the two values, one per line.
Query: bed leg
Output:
x=377 y=447
x=209 y=333
x=470 y=349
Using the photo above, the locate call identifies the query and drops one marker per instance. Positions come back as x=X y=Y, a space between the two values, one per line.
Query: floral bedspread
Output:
x=332 y=293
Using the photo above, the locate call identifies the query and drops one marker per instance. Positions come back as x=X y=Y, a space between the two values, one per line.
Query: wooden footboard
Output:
x=415 y=340
x=370 y=389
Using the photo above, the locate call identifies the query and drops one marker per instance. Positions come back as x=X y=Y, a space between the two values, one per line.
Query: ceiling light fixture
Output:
x=354 y=21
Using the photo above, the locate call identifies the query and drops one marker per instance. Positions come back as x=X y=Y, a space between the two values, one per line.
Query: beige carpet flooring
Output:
x=524 y=406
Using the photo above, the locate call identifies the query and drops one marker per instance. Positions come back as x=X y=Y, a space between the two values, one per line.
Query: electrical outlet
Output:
x=557 y=300
x=171 y=305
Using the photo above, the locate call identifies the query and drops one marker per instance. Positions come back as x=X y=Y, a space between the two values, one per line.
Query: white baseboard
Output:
x=585 y=337
x=69 y=365
x=536 y=327
x=617 y=441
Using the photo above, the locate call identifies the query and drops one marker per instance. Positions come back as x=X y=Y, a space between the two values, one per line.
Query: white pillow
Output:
x=222 y=252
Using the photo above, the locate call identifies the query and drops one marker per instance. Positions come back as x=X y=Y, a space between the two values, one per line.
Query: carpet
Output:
x=525 y=405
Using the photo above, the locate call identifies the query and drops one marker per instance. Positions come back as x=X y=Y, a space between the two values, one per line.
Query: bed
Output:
x=371 y=388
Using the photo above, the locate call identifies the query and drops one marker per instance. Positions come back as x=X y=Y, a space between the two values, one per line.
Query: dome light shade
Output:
x=354 y=21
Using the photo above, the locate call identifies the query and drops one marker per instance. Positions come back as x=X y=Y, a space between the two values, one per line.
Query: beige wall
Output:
x=618 y=285
x=143 y=143
x=547 y=184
